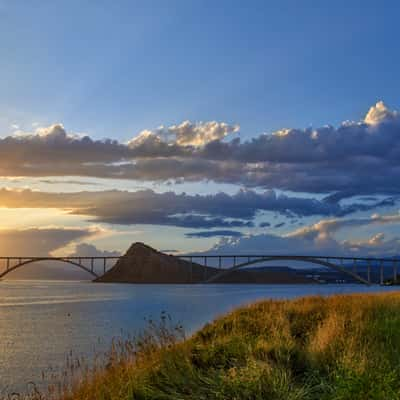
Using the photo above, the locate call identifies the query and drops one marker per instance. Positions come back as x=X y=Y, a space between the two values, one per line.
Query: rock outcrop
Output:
x=143 y=264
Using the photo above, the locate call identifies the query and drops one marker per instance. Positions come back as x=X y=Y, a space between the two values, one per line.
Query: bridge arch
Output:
x=33 y=260
x=311 y=260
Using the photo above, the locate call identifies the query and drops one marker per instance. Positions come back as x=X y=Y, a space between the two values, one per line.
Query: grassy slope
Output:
x=344 y=347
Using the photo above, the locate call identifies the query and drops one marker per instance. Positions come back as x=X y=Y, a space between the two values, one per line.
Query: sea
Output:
x=45 y=323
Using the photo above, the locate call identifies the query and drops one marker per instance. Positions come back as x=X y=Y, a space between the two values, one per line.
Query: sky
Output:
x=199 y=126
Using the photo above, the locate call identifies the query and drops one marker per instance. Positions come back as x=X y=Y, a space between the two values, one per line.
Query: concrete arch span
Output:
x=311 y=260
x=39 y=259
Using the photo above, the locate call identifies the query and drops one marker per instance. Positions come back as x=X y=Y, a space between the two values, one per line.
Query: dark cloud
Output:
x=169 y=208
x=208 y=234
x=67 y=182
x=53 y=145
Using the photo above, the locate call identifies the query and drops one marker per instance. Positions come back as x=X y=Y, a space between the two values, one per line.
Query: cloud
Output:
x=208 y=234
x=379 y=113
x=182 y=210
x=89 y=250
x=326 y=228
x=362 y=157
x=185 y=134
x=36 y=152
x=40 y=241
x=317 y=239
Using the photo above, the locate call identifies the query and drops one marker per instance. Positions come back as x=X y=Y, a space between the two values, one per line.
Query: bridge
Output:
x=225 y=264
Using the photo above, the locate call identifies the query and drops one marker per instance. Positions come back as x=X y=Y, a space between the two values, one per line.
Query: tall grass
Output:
x=341 y=347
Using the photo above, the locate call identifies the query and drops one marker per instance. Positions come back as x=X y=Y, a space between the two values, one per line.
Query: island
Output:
x=144 y=264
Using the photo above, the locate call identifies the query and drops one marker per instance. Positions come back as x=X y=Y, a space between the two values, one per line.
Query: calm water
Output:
x=41 y=322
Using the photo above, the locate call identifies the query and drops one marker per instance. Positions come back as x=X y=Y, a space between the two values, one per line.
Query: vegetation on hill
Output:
x=342 y=347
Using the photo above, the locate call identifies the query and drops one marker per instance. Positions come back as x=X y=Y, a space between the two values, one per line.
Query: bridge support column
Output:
x=104 y=265
x=381 y=272
x=92 y=264
x=395 y=271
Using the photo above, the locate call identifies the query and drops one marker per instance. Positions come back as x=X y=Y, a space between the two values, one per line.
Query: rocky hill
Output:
x=143 y=264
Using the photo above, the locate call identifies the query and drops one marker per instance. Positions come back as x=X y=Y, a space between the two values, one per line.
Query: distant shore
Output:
x=343 y=346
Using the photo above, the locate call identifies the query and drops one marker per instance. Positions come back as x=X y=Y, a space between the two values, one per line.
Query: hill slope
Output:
x=342 y=347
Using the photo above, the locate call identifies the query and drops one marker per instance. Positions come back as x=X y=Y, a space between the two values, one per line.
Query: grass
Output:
x=336 y=348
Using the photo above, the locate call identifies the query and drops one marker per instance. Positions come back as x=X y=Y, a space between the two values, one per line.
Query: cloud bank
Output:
x=360 y=157
x=181 y=210
x=318 y=239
